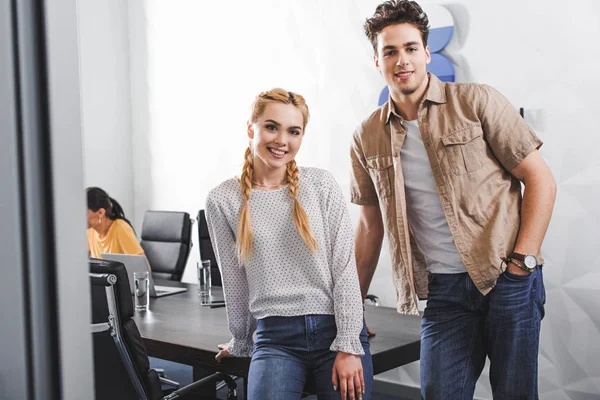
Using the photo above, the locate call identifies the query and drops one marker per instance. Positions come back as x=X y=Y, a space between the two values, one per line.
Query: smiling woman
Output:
x=283 y=238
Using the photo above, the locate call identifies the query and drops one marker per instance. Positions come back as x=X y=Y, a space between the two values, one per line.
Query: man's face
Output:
x=402 y=59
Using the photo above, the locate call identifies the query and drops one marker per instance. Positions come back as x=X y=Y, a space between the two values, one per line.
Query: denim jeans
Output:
x=460 y=327
x=289 y=350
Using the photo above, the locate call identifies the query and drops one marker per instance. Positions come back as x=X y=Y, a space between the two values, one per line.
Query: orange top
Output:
x=120 y=239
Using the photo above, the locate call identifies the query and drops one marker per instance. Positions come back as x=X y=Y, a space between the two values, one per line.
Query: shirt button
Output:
x=464 y=139
x=396 y=154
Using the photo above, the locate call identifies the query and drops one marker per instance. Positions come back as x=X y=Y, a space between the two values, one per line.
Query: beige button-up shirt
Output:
x=473 y=137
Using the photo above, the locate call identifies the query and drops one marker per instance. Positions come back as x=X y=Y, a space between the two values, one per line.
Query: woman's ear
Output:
x=101 y=213
x=250 y=131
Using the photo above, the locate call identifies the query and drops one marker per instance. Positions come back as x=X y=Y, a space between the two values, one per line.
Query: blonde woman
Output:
x=284 y=243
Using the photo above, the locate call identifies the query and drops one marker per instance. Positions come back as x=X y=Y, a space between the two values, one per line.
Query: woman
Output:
x=108 y=229
x=284 y=242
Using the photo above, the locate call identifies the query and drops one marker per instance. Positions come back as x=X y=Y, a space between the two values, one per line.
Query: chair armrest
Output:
x=219 y=376
x=374 y=299
x=169 y=382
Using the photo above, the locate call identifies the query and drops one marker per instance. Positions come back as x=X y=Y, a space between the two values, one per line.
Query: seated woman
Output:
x=108 y=229
x=283 y=240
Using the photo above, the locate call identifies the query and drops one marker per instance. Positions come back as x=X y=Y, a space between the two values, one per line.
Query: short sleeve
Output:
x=362 y=189
x=507 y=134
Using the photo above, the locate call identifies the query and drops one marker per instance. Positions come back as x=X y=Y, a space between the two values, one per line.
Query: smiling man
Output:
x=439 y=168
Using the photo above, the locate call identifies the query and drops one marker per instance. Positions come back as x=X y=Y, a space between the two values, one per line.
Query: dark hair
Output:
x=98 y=198
x=396 y=12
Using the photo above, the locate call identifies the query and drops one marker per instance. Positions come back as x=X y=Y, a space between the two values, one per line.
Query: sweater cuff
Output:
x=240 y=347
x=348 y=344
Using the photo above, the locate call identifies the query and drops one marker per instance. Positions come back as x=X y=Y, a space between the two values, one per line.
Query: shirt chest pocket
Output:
x=381 y=169
x=465 y=149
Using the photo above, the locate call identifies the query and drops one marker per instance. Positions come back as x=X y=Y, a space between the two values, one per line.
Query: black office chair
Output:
x=167 y=241
x=206 y=249
x=121 y=366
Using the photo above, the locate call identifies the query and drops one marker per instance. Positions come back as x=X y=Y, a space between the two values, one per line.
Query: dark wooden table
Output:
x=178 y=328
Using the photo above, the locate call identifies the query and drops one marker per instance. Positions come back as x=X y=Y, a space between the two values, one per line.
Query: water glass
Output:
x=141 y=292
x=204 y=282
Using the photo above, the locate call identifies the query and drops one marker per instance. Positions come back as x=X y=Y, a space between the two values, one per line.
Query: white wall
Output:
x=195 y=67
x=105 y=97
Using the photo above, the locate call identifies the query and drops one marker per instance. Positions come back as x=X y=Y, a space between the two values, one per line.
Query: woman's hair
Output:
x=98 y=198
x=394 y=12
x=244 y=237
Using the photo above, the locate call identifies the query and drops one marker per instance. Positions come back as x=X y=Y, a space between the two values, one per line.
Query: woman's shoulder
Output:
x=318 y=178
x=315 y=175
x=121 y=225
x=225 y=196
x=225 y=190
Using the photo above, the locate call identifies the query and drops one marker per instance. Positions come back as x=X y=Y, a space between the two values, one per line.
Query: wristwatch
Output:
x=528 y=262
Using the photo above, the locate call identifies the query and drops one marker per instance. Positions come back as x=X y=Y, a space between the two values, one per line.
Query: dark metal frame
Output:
x=114 y=326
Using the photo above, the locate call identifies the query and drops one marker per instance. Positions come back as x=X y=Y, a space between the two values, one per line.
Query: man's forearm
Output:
x=536 y=210
x=367 y=249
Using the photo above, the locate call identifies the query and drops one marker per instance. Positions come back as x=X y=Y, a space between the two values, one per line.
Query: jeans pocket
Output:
x=516 y=277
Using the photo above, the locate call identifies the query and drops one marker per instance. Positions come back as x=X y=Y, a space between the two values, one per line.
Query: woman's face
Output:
x=94 y=217
x=276 y=136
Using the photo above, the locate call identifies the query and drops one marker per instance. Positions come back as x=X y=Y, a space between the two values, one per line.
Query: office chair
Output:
x=167 y=241
x=121 y=366
x=206 y=249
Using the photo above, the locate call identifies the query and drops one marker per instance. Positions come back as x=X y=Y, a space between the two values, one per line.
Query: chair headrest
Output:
x=124 y=300
x=166 y=226
x=202 y=225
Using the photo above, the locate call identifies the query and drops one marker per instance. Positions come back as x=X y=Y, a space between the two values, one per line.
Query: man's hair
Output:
x=394 y=12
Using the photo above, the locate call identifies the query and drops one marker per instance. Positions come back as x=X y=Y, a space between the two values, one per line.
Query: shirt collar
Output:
x=435 y=93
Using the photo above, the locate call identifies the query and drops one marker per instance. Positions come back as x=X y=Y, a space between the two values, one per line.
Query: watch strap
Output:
x=517 y=256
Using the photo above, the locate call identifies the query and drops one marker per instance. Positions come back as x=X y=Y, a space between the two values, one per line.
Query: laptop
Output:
x=138 y=263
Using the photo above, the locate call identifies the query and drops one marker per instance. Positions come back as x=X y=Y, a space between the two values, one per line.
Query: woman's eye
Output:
x=271 y=127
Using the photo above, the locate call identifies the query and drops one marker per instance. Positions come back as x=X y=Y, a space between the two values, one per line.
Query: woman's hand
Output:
x=222 y=353
x=347 y=376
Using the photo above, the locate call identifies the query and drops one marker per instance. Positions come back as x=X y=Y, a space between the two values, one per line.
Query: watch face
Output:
x=530 y=261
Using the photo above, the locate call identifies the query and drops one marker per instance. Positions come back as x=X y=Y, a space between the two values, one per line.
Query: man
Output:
x=439 y=169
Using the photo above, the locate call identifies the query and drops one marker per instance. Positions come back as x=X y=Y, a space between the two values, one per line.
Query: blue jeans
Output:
x=460 y=327
x=288 y=350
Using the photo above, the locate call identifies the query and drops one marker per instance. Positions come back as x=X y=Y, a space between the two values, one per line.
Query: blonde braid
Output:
x=299 y=215
x=244 y=237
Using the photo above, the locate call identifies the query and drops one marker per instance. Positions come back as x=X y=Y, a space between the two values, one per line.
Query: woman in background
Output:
x=108 y=229
x=284 y=242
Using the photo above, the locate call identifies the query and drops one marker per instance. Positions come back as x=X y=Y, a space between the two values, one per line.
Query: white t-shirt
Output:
x=423 y=207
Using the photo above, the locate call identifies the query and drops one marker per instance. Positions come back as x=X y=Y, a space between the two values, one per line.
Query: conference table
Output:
x=179 y=328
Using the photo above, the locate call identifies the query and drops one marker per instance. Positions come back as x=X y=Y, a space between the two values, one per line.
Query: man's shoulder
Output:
x=467 y=92
x=377 y=119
